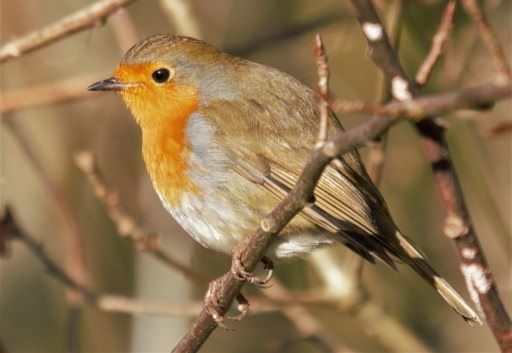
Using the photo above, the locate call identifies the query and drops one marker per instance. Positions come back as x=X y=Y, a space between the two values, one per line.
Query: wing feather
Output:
x=269 y=137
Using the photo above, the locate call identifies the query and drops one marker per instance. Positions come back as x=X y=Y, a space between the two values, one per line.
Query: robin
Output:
x=224 y=138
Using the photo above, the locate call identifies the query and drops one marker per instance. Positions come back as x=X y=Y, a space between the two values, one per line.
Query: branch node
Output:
x=267 y=224
x=373 y=31
x=400 y=88
x=454 y=226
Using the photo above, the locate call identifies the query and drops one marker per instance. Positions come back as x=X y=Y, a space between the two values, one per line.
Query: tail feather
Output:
x=417 y=262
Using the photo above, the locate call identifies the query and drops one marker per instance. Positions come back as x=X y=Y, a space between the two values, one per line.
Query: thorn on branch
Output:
x=438 y=42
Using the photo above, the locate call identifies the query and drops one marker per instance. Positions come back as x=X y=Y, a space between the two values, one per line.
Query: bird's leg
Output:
x=243 y=307
x=238 y=269
x=213 y=304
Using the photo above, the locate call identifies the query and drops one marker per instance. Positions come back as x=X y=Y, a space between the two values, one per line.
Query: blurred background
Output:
x=54 y=203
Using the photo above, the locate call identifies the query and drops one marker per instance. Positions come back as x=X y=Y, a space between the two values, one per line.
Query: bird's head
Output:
x=167 y=77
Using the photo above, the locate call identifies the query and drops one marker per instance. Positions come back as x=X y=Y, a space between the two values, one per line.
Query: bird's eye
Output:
x=161 y=75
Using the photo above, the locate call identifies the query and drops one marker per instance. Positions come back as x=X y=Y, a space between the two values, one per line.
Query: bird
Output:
x=225 y=138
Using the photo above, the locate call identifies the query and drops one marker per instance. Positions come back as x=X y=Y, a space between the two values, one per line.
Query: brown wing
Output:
x=270 y=133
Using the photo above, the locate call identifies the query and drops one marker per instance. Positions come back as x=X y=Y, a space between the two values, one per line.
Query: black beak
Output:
x=110 y=84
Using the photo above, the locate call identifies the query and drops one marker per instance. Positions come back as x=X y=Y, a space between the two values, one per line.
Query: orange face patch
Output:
x=162 y=112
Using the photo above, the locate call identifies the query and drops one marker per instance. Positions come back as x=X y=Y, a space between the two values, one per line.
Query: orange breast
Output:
x=166 y=155
x=166 y=151
x=162 y=112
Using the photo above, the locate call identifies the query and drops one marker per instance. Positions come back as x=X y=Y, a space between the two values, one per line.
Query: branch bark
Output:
x=90 y=16
x=458 y=225
x=438 y=41
x=479 y=97
x=126 y=225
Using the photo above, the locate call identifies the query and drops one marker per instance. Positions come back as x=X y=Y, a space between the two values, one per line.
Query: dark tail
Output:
x=418 y=263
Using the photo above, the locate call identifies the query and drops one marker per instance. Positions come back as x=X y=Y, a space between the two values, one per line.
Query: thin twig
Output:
x=276 y=299
x=458 y=225
x=479 y=97
x=45 y=94
x=126 y=225
x=10 y=229
x=72 y=236
x=438 y=41
x=323 y=89
x=87 y=17
x=489 y=38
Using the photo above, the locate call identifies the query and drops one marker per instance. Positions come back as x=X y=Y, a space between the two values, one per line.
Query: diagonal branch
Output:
x=438 y=41
x=458 y=225
x=90 y=16
x=126 y=225
x=10 y=230
x=478 y=97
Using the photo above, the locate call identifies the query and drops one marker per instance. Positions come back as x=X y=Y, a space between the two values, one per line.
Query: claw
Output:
x=213 y=305
x=239 y=271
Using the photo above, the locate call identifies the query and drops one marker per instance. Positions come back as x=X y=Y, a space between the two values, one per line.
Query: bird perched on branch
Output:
x=224 y=138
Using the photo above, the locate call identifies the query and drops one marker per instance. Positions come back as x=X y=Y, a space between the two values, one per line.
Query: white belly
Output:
x=204 y=223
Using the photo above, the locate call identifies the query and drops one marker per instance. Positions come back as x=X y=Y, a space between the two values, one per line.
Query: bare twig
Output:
x=125 y=224
x=478 y=97
x=10 y=229
x=489 y=38
x=50 y=93
x=276 y=299
x=72 y=235
x=133 y=306
x=458 y=225
x=438 y=41
x=90 y=16
x=323 y=89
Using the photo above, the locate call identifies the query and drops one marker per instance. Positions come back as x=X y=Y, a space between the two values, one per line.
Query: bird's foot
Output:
x=239 y=271
x=243 y=307
x=214 y=304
